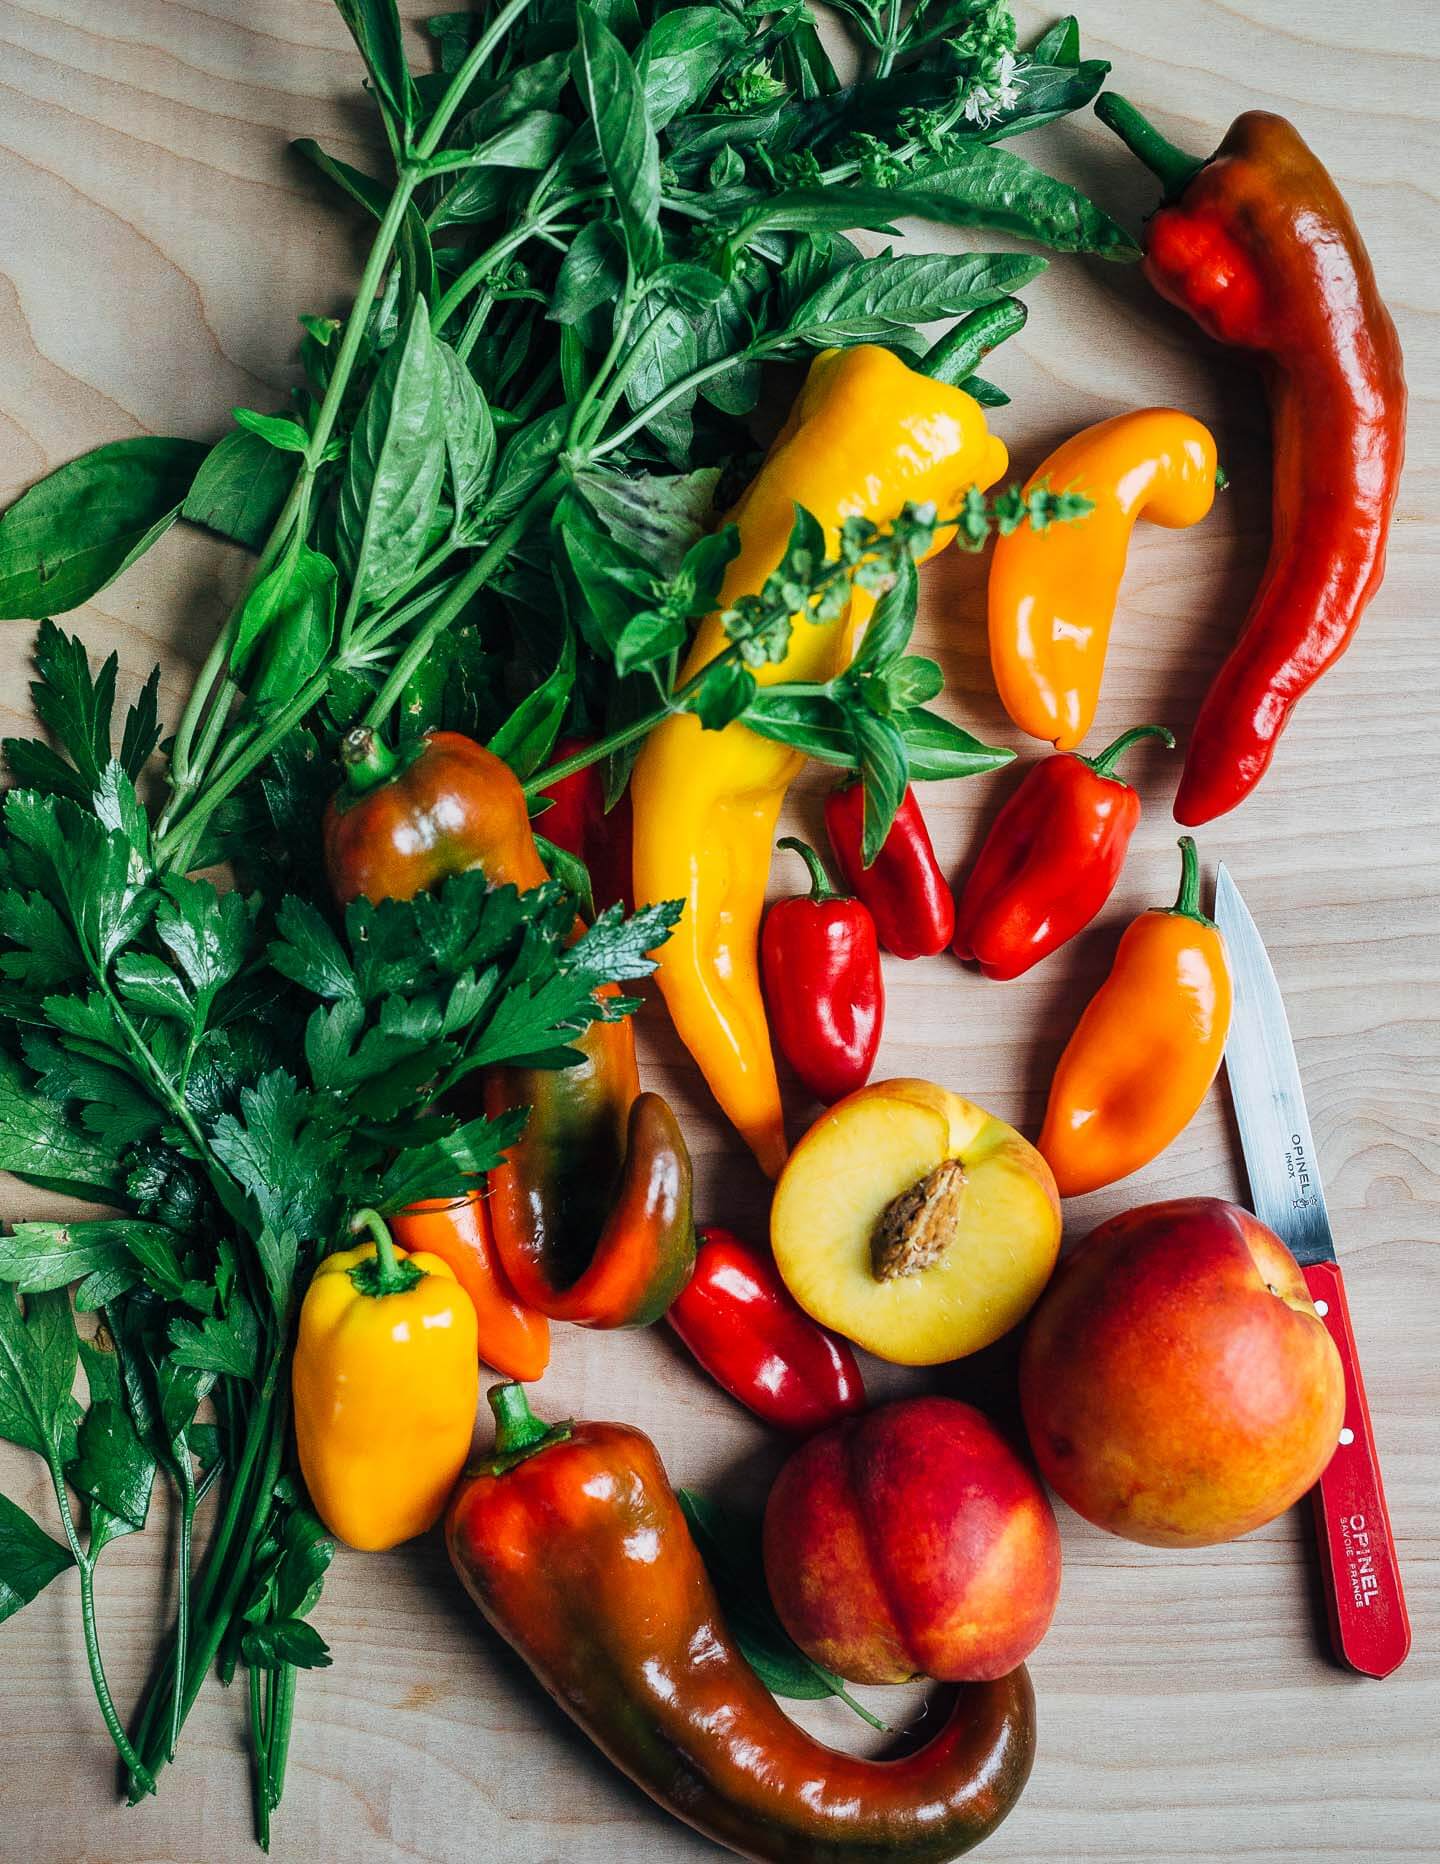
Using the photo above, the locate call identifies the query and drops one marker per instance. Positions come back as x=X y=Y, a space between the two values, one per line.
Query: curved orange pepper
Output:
x=1145 y=1051
x=1053 y=592
x=512 y=1338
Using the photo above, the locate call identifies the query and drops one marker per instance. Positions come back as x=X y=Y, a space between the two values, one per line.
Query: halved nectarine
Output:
x=915 y=1223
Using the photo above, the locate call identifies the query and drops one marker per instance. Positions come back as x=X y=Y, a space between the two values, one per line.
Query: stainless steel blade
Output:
x=1275 y=1135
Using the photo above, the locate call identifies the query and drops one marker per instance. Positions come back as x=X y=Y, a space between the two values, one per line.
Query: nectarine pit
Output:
x=915 y=1229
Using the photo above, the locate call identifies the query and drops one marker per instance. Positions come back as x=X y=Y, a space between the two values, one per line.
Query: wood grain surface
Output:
x=156 y=243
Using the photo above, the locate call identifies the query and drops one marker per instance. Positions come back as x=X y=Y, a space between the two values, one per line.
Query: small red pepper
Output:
x=1051 y=859
x=820 y=962
x=751 y=1335
x=906 y=892
x=578 y=823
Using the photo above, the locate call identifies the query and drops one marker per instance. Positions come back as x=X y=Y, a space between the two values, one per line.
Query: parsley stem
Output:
x=86 y=1566
x=259 y=1756
x=186 y=1477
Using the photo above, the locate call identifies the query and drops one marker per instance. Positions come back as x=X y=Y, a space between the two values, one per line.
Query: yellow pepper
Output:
x=1053 y=592
x=866 y=436
x=385 y=1384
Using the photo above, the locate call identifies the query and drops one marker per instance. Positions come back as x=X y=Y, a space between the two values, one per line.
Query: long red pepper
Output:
x=1051 y=859
x=1258 y=246
x=904 y=888
x=750 y=1334
x=820 y=964
x=578 y=823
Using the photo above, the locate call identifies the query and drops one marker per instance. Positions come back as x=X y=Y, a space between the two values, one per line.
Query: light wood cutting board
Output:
x=156 y=243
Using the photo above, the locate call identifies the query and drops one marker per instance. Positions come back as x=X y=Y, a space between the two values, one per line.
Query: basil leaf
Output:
x=303 y=579
x=240 y=487
x=986 y=393
x=1050 y=91
x=650 y=636
x=394 y=467
x=937 y=749
x=615 y=101
x=893 y=622
x=526 y=737
x=69 y=536
x=730 y=1546
x=529 y=455
x=530 y=141
x=724 y=694
x=663 y=352
x=868 y=300
x=1059 y=46
x=375 y=27
x=536 y=86
x=658 y=517
x=912 y=681
x=277 y=430
x=29 y=1559
x=469 y=437
x=298 y=637
x=884 y=770
x=363 y=189
x=591 y=275
x=686 y=51
x=984 y=187
x=571 y=872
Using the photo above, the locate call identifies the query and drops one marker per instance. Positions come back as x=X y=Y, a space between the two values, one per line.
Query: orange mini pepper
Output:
x=1145 y=1051
x=1053 y=592
x=512 y=1337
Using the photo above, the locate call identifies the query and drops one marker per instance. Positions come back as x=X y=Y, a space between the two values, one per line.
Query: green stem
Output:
x=354 y=331
x=185 y=1475
x=479 y=268
x=1175 y=169
x=259 y=1758
x=1187 y=901
x=86 y=1567
x=820 y=887
x=282 y=1720
x=367 y=759
x=960 y=351
x=890 y=44
x=1104 y=764
x=474 y=579
x=673 y=393
x=591 y=412
x=390 y=1276
x=465 y=76
x=518 y=1432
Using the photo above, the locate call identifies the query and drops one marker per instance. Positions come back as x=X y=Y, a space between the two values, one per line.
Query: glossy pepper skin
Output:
x=1144 y=1053
x=385 y=1382
x=823 y=985
x=1052 y=593
x=866 y=435
x=1259 y=247
x=913 y=909
x=511 y=1337
x=579 y=824
x=587 y=1229
x=1050 y=860
x=572 y=1544
x=747 y=1330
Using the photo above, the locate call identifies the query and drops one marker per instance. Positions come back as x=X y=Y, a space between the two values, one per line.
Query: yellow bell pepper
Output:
x=385 y=1384
x=866 y=436
x=1053 y=592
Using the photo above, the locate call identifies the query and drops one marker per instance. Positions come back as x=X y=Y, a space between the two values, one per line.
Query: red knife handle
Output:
x=1369 y=1625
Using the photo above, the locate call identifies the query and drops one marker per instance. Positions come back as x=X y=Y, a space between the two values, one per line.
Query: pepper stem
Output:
x=1187 y=901
x=959 y=352
x=387 y=1274
x=368 y=760
x=820 y=887
x=518 y=1432
x=1104 y=764
x=1175 y=169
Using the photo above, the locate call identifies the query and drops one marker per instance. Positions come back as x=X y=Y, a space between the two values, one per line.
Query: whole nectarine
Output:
x=1177 y=1384
x=912 y=1541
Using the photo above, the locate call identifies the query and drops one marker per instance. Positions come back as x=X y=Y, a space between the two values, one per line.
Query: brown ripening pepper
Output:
x=591 y=1208
x=571 y=1542
x=1258 y=246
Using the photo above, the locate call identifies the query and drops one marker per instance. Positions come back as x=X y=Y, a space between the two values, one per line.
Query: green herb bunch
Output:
x=492 y=505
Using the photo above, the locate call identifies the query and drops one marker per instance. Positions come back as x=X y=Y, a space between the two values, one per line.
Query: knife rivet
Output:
x=1347 y=1435
x=1322 y=1308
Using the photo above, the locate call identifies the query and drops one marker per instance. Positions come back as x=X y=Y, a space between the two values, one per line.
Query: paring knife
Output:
x=1368 y=1621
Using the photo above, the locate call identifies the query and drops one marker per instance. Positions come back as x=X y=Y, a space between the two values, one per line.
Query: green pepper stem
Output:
x=1174 y=168
x=820 y=887
x=960 y=351
x=368 y=760
x=390 y=1276
x=1187 y=901
x=1104 y=764
x=516 y=1425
